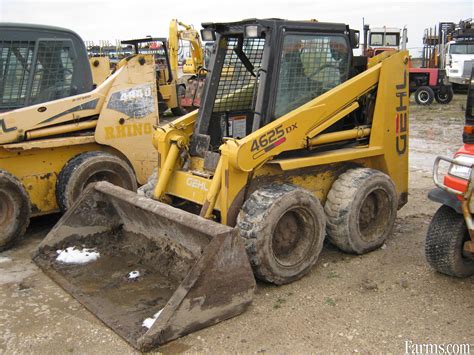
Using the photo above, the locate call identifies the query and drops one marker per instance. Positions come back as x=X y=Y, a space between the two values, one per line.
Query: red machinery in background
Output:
x=427 y=83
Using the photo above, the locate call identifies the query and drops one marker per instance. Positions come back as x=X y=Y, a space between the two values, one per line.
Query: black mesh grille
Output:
x=15 y=64
x=51 y=79
x=53 y=72
x=235 y=90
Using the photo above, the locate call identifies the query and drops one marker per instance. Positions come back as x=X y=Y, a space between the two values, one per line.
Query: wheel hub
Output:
x=291 y=237
x=373 y=214
x=105 y=175
x=423 y=96
x=6 y=209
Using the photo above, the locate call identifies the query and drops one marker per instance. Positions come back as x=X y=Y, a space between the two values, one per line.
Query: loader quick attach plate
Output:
x=192 y=272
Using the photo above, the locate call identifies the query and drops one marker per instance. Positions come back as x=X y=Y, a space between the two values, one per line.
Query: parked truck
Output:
x=459 y=51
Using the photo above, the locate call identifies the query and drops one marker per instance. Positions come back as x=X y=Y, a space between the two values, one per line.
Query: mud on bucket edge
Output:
x=156 y=266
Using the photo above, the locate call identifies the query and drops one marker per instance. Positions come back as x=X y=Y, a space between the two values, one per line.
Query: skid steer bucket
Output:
x=156 y=272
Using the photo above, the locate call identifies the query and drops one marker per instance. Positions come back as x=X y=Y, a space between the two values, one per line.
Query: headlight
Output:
x=208 y=35
x=252 y=31
x=460 y=171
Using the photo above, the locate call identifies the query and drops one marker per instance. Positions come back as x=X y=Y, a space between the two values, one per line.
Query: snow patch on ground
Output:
x=4 y=259
x=72 y=255
x=148 y=323
x=133 y=274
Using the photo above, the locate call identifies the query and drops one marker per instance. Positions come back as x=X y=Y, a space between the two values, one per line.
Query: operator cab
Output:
x=158 y=47
x=40 y=64
x=383 y=39
x=262 y=69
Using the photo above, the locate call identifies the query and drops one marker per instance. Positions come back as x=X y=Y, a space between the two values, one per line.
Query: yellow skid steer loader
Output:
x=57 y=133
x=303 y=140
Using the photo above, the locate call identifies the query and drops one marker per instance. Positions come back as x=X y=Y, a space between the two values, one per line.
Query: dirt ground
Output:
x=370 y=303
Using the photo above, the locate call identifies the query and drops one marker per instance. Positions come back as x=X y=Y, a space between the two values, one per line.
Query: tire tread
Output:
x=23 y=219
x=443 y=247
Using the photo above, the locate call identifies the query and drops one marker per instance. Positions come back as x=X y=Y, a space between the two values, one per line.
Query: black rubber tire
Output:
x=283 y=228
x=15 y=210
x=444 y=98
x=179 y=110
x=445 y=239
x=424 y=95
x=361 y=190
x=91 y=167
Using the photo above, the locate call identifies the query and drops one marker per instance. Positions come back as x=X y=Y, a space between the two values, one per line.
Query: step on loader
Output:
x=296 y=139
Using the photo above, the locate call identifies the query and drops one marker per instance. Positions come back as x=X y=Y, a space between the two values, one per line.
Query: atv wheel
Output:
x=424 y=95
x=445 y=241
x=15 y=210
x=283 y=228
x=445 y=97
x=88 y=168
x=361 y=208
x=179 y=110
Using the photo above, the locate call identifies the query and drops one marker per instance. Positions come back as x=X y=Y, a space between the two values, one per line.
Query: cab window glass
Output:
x=391 y=39
x=310 y=66
x=15 y=65
x=376 y=39
x=52 y=78
x=459 y=48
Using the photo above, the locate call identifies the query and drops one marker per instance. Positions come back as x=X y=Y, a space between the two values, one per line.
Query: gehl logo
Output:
x=4 y=128
x=401 y=117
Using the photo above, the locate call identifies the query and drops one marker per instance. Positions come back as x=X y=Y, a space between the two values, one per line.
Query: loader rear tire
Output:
x=424 y=95
x=15 y=210
x=283 y=228
x=90 y=167
x=445 y=241
x=360 y=208
x=179 y=110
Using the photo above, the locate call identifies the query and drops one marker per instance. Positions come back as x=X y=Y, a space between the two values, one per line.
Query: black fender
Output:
x=445 y=198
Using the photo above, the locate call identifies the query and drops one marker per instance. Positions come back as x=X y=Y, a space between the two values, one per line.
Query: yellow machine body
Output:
x=117 y=117
x=189 y=34
x=247 y=164
x=184 y=229
x=100 y=68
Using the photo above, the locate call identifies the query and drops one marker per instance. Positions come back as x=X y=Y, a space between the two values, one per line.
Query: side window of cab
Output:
x=310 y=65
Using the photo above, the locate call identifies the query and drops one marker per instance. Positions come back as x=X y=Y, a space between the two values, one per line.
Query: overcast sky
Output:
x=118 y=19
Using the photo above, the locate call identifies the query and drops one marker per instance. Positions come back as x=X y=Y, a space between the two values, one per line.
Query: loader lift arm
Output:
x=189 y=34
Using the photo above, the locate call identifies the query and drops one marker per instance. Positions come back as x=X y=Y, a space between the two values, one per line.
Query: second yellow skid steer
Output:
x=304 y=140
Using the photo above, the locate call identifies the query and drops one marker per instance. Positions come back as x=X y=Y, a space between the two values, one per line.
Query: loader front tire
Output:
x=15 y=210
x=360 y=208
x=90 y=167
x=445 y=242
x=283 y=228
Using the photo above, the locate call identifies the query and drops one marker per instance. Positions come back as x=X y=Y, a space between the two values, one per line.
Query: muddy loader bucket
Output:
x=149 y=271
